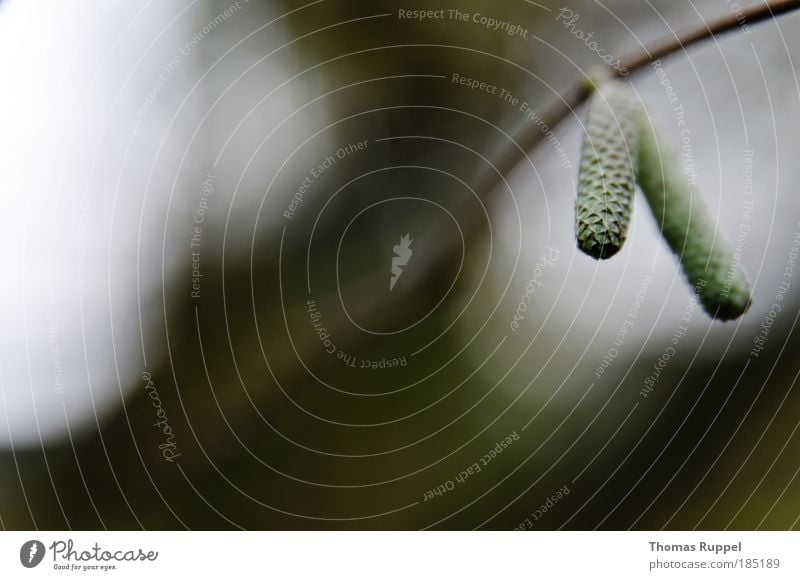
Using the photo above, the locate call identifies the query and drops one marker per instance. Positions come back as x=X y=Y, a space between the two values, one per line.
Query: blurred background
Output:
x=264 y=268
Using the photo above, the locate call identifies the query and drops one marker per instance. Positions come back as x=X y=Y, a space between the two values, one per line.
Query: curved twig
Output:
x=573 y=97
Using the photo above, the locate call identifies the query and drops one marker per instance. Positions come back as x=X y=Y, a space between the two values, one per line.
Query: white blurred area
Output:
x=70 y=343
x=94 y=172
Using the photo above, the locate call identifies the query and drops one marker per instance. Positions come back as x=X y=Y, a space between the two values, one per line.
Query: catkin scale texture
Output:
x=606 y=179
x=690 y=231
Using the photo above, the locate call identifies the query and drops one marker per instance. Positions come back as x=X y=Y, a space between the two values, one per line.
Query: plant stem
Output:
x=729 y=23
x=530 y=135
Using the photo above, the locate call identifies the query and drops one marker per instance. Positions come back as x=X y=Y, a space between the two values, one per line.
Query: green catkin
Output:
x=688 y=228
x=606 y=179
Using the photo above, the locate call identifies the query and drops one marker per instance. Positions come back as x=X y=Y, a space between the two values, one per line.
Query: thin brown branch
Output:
x=729 y=23
x=531 y=135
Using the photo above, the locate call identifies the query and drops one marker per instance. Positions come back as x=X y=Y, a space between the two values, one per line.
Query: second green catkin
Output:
x=706 y=258
x=607 y=171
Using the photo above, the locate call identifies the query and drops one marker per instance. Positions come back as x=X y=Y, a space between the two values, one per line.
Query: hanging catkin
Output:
x=690 y=231
x=607 y=171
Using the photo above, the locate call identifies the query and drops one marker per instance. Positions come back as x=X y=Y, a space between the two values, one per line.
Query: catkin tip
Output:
x=728 y=310
x=597 y=250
